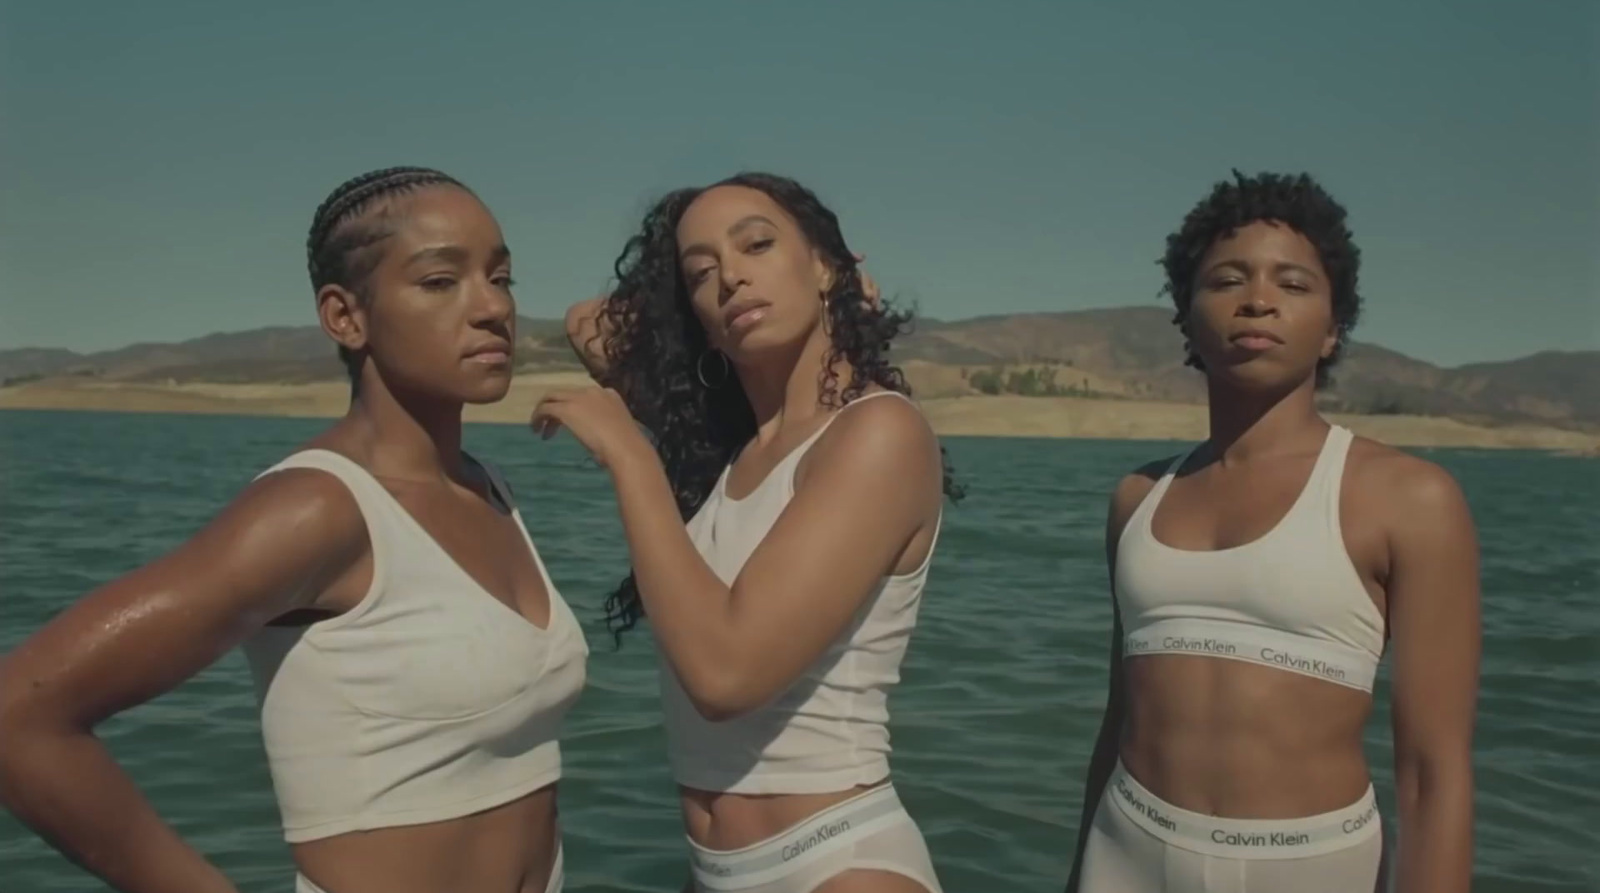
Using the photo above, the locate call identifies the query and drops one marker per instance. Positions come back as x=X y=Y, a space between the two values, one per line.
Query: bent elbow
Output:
x=712 y=710
x=1435 y=762
x=723 y=695
x=1435 y=773
x=582 y=322
x=28 y=716
x=15 y=733
x=577 y=315
x=13 y=713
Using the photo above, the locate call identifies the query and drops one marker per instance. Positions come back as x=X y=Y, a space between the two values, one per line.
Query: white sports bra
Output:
x=829 y=731
x=429 y=700
x=1291 y=599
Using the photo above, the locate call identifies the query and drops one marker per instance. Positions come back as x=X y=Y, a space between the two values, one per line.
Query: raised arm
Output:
x=870 y=484
x=588 y=328
x=586 y=334
x=1130 y=491
x=274 y=549
x=1434 y=628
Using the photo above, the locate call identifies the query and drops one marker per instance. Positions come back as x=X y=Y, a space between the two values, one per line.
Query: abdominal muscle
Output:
x=720 y=821
x=507 y=849
x=1231 y=739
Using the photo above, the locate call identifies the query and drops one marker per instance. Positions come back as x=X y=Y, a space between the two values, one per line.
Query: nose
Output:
x=732 y=275
x=491 y=305
x=1259 y=299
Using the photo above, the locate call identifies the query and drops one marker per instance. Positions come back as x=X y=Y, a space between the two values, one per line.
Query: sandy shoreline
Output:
x=982 y=416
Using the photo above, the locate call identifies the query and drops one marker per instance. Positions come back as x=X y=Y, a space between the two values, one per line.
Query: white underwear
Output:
x=303 y=884
x=1142 y=844
x=870 y=831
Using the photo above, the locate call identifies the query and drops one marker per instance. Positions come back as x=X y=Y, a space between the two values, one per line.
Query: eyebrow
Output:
x=743 y=224
x=1276 y=268
x=457 y=255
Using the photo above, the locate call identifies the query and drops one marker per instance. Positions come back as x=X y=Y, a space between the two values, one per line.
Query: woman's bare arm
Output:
x=1434 y=629
x=1130 y=491
x=586 y=334
x=587 y=328
x=874 y=480
x=275 y=548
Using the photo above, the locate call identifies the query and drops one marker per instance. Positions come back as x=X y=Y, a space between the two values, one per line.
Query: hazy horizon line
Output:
x=916 y=320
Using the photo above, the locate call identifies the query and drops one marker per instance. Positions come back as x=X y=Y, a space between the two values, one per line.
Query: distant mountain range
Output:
x=1133 y=353
x=275 y=354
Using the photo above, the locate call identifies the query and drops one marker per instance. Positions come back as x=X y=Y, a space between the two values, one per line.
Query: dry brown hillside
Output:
x=1131 y=352
x=1137 y=352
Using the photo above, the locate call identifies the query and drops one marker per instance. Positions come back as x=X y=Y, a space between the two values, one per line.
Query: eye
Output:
x=1298 y=288
x=439 y=283
x=695 y=277
x=759 y=245
x=504 y=281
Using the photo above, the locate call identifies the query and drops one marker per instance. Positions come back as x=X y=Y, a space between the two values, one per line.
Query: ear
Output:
x=343 y=317
x=823 y=272
x=1330 y=341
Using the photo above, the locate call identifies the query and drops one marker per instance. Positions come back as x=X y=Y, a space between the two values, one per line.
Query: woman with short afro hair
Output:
x=1256 y=582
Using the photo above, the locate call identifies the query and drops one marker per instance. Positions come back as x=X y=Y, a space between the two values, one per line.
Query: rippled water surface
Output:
x=993 y=720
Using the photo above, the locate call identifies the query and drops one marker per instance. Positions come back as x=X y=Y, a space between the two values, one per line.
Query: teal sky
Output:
x=160 y=162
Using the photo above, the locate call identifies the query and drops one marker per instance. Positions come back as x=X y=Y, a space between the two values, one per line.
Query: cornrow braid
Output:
x=336 y=249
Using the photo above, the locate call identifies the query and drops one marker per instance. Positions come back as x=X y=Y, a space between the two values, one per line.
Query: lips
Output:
x=743 y=314
x=494 y=353
x=1255 y=339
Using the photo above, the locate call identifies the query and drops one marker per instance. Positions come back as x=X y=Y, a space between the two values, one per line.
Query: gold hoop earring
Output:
x=700 y=369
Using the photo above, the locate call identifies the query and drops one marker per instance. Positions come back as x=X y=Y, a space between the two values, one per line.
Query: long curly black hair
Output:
x=1297 y=201
x=654 y=344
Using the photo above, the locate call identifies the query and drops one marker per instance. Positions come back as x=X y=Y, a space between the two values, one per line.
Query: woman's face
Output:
x=1261 y=314
x=439 y=318
x=753 y=278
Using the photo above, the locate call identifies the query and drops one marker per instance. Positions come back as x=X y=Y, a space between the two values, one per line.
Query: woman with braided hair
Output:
x=412 y=656
x=742 y=336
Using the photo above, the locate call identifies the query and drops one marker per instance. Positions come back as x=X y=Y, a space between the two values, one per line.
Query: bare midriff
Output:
x=507 y=849
x=1231 y=739
x=720 y=821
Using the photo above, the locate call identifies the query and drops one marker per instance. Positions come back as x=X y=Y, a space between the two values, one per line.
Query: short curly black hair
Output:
x=1296 y=201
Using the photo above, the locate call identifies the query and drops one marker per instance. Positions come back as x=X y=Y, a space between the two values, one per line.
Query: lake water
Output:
x=993 y=720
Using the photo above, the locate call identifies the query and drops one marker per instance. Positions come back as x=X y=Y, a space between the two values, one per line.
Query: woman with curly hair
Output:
x=742 y=339
x=1256 y=580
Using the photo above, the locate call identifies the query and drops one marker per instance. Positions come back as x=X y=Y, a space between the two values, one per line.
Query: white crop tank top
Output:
x=1291 y=599
x=429 y=700
x=829 y=731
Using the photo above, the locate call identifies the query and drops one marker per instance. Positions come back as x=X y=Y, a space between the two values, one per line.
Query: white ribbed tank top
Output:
x=429 y=700
x=827 y=732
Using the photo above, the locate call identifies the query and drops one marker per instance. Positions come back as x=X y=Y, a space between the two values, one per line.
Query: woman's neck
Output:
x=782 y=392
x=407 y=438
x=1246 y=425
